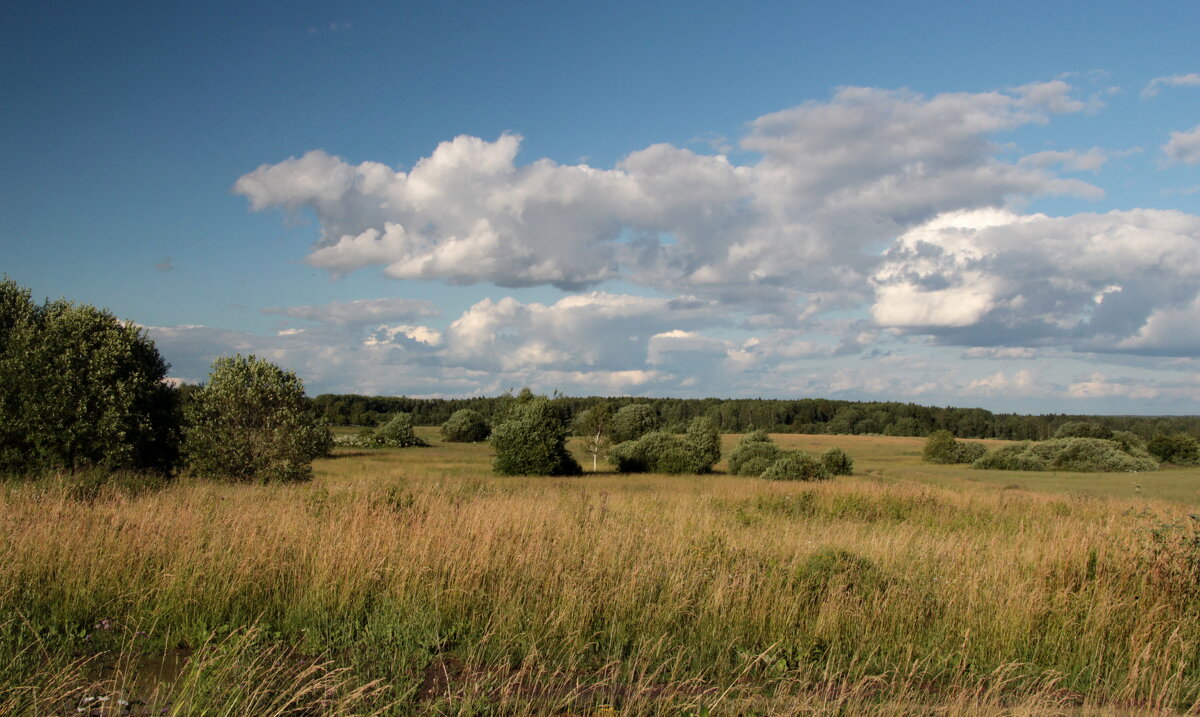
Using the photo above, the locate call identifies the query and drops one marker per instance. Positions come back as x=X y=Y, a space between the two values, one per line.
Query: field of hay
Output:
x=413 y=582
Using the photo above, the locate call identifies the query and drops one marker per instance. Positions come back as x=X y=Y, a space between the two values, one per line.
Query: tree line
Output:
x=738 y=415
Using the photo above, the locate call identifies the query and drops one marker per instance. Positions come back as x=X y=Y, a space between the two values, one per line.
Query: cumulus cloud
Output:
x=993 y=278
x=1154 y=86
x=1183 y=147
x=831 y=180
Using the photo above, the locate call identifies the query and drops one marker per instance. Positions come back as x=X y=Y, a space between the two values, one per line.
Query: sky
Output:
x=943 y=203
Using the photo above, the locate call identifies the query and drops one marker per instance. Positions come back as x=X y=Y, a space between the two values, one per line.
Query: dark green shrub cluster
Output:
x=837 y=462
x=942 y=447
x=632 y=422
x=466 y=425
x=661 y=452
x=80 y=390
x=1083 y=429
x=397 y=433
x=753 y=454
x=532 y=440
x=796 y=465
x=1177 y=448
x=1128 y=441
x=251 y=422
x=1080 y=455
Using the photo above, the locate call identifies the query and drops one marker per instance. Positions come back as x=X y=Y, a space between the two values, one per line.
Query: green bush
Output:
x=1129 y=442
x=753 y=454
x=662 y=452
x=1083 y=429
x=632 y=422
x=837 y=462
x=796 y=465
x=940 y=447
x=704 y=441
x=532 y=441
x=80 y=390
x=969 y=451
x=1077 y=455
x=1177 y=448
x=466 y=426
x=251 y=422
x=397 y=433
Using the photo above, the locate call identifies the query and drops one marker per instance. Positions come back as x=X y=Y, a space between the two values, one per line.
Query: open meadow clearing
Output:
x=413 y=581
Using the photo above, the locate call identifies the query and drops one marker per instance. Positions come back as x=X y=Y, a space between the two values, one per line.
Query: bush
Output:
x=969 y=451
x=1177 y=448
x=940 y=447
x=81 y=390
x=1083 y=429
x=251 y=422
x=466 y=426
x=753 y=454
x=397 y=433
x=837 y=462
x=632 y=422
x=1079 y=455
x=532 y=441
x=1015 y=457
x=704 y=441
x=662 y=452
x=1129 y=442
x=796 y=465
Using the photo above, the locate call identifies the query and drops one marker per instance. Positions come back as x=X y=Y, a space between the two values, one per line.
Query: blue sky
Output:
x=948 y=203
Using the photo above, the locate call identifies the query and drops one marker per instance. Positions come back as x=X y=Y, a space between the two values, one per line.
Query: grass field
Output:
x=414 y=582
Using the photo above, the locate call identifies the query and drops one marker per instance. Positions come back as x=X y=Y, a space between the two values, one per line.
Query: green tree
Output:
x=593 y=425
x=466 y=425
x=704 y=443
x=397 y=433
x=532 y=441
x=80 y=389
x=251 y=422
x=632 y=422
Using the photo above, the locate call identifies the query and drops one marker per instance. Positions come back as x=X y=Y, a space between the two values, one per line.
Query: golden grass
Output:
x=413 y=582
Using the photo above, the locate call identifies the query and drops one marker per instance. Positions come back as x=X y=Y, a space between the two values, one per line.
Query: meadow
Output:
x=414 y=582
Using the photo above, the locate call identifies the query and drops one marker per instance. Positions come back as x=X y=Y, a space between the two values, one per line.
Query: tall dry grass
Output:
x=402 y=591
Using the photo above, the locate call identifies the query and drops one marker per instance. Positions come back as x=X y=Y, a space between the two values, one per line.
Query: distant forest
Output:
x=739 y=415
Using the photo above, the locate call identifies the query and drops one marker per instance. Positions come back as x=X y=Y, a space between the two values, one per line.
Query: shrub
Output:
x=704 y=441
x=81 y=390
x=632 y=422
x=251 y=422
x=397 y=433
x=466 y=426
x=796 y=465
x=1068 y=454
x=940 y=447
x=1177 y=448
x=837 y=462
x=969 y=451
x=753 y=454
x=532 y=441
x=1083 y=429
x=1129 y=442
x=662 y=452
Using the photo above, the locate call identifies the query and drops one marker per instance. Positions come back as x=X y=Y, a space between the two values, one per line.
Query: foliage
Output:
x=704 y=442
x=397 y=433
x=593 y=425
x=1083 y=429
x=465 y=425
x=1177 y=448
x=797 y=465
x=1068 y=454
x=80 y=389
x=532 y=441
x=969 y=451
x=251 y=422
x=662 y=452
x=837 y=462
x=1129 y=442
x=940 y=447
x=753 y=454
x=632 y=422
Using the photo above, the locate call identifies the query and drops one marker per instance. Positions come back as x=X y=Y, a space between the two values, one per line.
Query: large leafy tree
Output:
x=532 y=441
x=252 y=422
x=80 y=389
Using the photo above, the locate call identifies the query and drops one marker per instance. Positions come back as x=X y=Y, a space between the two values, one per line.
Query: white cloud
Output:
x=1183 y=147
x=995 y=277
x=1153 y=87
x=832 y=180
x=362 y=311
